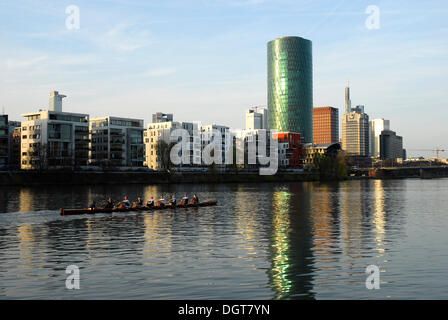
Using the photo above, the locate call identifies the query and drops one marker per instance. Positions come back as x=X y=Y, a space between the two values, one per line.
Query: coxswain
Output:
x=195 y=199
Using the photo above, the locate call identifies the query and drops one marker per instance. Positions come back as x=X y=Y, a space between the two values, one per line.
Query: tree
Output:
x=163 y=150
x=331 y=167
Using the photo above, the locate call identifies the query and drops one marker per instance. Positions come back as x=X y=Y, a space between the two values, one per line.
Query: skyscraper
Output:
x=376 y=127
x=256 y=118
x=325 y=125
x=355 y=132
x=290 y=86
x=348 y=102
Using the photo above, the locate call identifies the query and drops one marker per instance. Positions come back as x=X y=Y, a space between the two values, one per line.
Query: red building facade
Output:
x=291 y=149
x=325 y=125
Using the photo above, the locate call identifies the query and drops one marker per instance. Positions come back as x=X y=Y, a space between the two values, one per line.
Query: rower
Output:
x=172 y=200
x=184 y=200
x=126 y=202
x=162 y=201
x=150 y=202
x=139 y=202
x=109 y=204
x=93 y=205
x=195 y=199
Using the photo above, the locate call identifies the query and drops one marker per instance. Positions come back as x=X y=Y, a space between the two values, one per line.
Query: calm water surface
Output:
x=262 y=241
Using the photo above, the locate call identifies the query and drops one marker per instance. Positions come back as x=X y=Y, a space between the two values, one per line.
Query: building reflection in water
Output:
x=379 y=220
x=26 y=199
x=247 y=222
x=325 y=219
x=291 y=254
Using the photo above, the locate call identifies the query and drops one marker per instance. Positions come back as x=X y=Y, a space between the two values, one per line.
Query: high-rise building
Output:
x=355 y=132
x=348 y=102
x=162 y=117
x=391 y=146
x=116 y=142
x=377 y=126
x=290 y=86
x=56 y=101
x=325 y=125
x=256 y=118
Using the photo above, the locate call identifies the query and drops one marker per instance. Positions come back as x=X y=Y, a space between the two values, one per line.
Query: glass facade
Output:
x=290 y=86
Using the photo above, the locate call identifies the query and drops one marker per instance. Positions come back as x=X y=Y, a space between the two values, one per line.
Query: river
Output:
x=262 y=241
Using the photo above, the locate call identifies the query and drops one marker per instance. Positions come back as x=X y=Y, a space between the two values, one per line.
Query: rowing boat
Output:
x=67 y=212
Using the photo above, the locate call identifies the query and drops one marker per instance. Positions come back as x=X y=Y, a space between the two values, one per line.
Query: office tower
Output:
x=325 y=125
x=355 y=132
x=56 y=101
x=54 y=139
x=348 y=102
x=162 y=117
x=116 y=142
x=256 y=118
x=290 y=86
x=391 y=145
x=377 y=126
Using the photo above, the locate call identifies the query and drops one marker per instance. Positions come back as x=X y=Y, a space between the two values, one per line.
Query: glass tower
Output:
x=290 y=86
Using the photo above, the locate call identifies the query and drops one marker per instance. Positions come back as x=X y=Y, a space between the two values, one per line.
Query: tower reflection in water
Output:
x=292 y=258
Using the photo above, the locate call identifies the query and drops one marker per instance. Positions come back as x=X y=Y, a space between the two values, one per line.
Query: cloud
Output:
x=22 y=63
x=160 y=72
x=124 y=38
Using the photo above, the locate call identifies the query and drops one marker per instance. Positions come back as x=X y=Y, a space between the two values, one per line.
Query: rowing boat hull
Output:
x=67 y=212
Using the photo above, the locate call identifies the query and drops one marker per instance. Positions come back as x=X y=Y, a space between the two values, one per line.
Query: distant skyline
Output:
x=206 y=60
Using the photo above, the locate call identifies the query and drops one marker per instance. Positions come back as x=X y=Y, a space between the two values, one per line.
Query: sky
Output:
x=205 y=60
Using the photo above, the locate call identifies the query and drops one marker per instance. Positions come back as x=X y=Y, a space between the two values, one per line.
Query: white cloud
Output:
x=23 y=63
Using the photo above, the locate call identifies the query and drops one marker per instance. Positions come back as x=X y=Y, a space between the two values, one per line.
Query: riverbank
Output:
x=30 y=178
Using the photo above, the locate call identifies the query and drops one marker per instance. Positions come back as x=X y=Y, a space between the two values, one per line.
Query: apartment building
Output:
x=53 y=139
x=116 y=142
x=159 y=134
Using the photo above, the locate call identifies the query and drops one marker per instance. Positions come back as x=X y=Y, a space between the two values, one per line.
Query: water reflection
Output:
x=282 y=241
x=292 y=259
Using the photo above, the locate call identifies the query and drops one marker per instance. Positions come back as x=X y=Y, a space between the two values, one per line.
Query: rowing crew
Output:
x=150 y=203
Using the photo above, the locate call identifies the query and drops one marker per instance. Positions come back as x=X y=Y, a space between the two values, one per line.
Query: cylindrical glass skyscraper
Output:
x=290 y=86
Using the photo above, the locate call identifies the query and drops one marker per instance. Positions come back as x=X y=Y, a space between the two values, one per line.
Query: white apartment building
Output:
x=161 y=131
x=116 y=142
x=207 y=138
x=377 y=126
x=53 y=139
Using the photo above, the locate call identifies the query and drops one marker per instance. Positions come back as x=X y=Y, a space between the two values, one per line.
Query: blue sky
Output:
x=206 y=59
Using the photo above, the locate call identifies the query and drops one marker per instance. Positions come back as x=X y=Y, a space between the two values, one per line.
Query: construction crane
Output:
x=436 y=150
